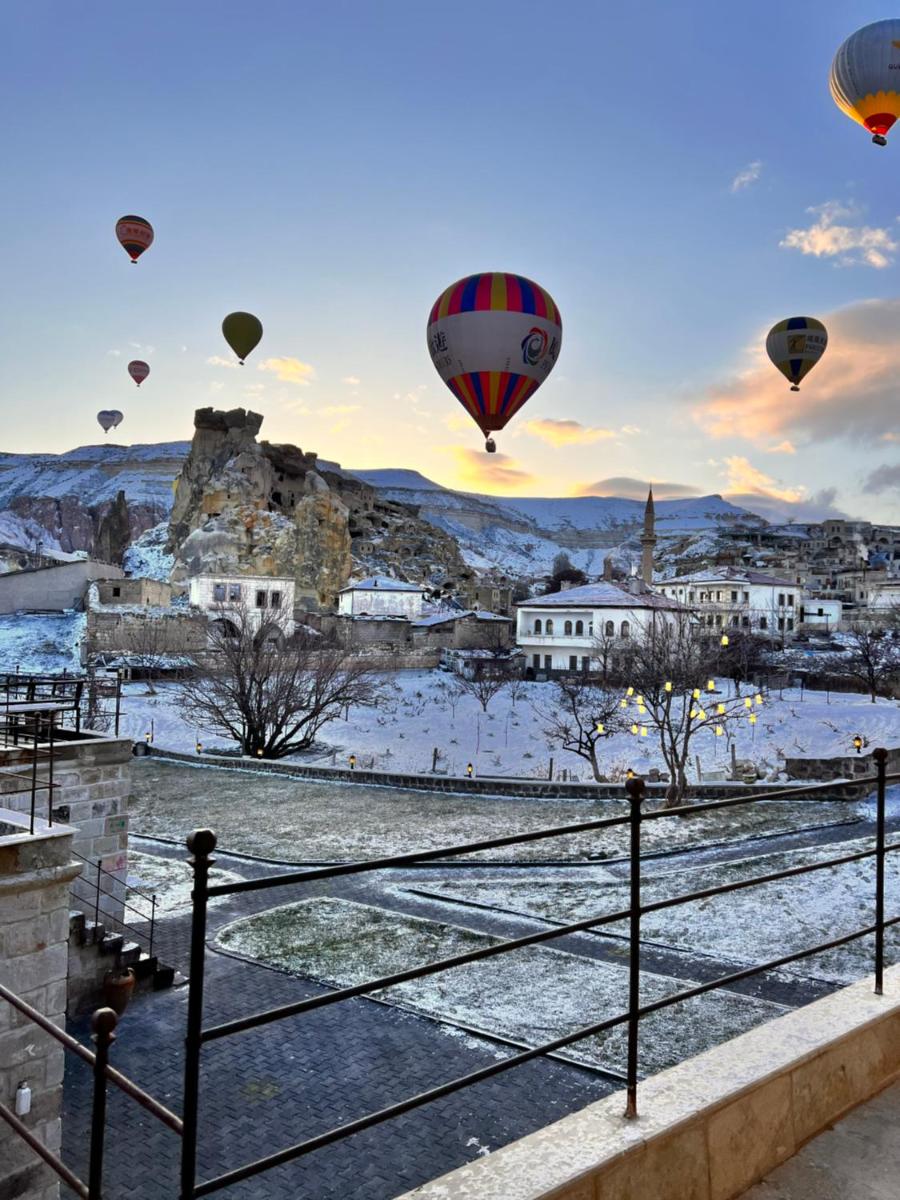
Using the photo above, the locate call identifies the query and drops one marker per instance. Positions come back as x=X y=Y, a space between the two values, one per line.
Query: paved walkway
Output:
x=858 y=1159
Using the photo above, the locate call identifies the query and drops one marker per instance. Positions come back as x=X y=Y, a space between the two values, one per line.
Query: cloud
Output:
x=566 y=432
x=489 y=470
x=745 y=479
x=114 y=353
x=784 y=447
x=628 y=488
x=851 y=395
x=749 y=487
x=289 y=370
x=217 y=361
x=850 y=245
x=351 y=381
x=747 y=175
x=885 y=478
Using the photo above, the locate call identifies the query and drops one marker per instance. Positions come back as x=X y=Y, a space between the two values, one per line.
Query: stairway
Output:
x=94 y=951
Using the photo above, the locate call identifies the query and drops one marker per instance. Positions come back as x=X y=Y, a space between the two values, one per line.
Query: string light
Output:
x=724 y=639
x=748 y=703
x=634 y=729
x=719 y=731
x=623 y=704
x=753 y=718
x=693 y=713
x=720 y=708
x=600 y=727
x=629 y=691
x=758 y=698
x=640 y=701
x=696 y=693
x=643 y=731
x=702 y=714
x=710 y=685
x=668 y=685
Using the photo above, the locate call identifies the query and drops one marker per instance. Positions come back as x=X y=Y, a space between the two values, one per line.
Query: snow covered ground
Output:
x=532 y=995
x=799 y=912
x=170 y=881
x=418 y=714
x=39 y=644
x=294 y=820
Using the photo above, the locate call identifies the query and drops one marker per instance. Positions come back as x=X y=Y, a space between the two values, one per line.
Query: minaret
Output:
x=648 y=540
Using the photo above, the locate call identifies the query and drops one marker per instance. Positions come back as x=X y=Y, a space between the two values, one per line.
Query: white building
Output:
x=260 y=596
x=562 y=631
x=823 y=613
x=381 y=596
x=727 y=598
x=884 y=599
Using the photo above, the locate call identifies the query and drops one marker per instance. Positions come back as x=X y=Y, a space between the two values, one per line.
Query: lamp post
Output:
x=199 y=747
x=470 y=770
x=352 y=761
x=858 y=744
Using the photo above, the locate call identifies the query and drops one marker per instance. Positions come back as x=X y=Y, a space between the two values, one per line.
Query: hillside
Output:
x=59 y=501
x=522 y=535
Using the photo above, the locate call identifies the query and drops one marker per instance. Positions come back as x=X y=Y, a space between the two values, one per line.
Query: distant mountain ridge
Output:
x=58 y=501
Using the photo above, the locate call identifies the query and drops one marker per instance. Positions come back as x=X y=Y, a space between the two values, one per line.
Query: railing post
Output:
x=34 y=766
x=635 y=790
x=97 y=902
x=103 y=1024
x=880 y=757
x=118 y=698
x=201 y=844
x=152 y=923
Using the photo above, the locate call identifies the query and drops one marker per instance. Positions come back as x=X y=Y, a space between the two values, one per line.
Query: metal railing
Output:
x=82 y=885
x=202 y=844
x=104 y=1026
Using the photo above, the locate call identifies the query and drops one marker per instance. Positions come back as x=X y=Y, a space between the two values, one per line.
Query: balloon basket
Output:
x=490 y=446
x=794 y=388
x=879 y=140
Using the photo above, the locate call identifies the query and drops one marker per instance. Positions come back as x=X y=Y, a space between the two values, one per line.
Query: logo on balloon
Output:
x=534 y=346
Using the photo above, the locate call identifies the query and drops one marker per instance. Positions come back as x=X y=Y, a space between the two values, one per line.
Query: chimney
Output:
x=607 y=569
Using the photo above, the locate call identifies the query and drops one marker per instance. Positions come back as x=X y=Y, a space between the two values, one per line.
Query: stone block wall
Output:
x=848 y=766
x=92 y=778
x=36 y=873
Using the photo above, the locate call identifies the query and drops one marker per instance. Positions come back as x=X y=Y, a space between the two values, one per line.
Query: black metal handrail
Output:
x=98 y=891
x=103 y=1025
x=203 y=842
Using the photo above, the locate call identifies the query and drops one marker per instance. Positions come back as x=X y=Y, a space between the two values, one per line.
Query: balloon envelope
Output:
x=865 y=76
x=242 y=332
x=138 y=370
x=795 y=345
x=109 y=418
x=494 y=338
x=135 y=235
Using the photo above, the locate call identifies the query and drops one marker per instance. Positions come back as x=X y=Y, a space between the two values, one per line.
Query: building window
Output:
x=609 y=629
x=117 y=591
x=548 y=662
x=260 y=599
x=537 y=625
x=234 y=593
x=781 y=624
x=219 y=593
x=781 y=599
x=790 y=624
x=790 y=599
x=585 y=663
x=549 y=625
x=690 y=597
x=763 y=622
x=734 y=597
x=275 y=600
x=567 y=628
x=745 y=621
x=573 y=662
x=735 y=621
x=719 y=620
x=718 y=595
x=536 y=661
x=579 y=628
x=746 y=597
x=624 y=629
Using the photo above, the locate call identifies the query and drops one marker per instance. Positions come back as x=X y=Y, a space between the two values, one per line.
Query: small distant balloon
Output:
x=138 y=370
x=864 y=78
x=493 y=339
x=242 y=332
x=795 y=345
x=109 y=418
x=135 y=235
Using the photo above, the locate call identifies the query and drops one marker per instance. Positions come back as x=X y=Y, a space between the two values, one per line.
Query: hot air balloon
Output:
x=138 y=370
x=135 y=235
x=865 y=76
x=109 y=418
x=795 y=346
x=494 y=338
x=242 y=333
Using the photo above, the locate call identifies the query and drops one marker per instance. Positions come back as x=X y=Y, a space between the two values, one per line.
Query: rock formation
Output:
x=252 y=508
x=114 y=532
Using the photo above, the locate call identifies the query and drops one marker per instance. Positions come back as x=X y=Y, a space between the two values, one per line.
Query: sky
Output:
x=676 y=176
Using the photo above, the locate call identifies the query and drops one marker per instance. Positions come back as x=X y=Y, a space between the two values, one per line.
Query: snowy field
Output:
x=417 y=715
x=171 y=882
x=295 y=820
x=531 y=995
x=40 y=644
x=799 y=912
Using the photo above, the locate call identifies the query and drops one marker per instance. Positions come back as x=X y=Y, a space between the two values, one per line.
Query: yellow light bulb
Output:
x=748 y=703
x=696 y=693
x=634 y=729
x=600 y=728
x=641 y=709
x=623 y=704
x=720 y=708
x=719 y=731
x=702 y=714
x=668 y=685
x=629 y=691
x=758 y=698
x=643 y=731
x=711 y=685
x=753 y=718
x=640 y=699
x=693 y=713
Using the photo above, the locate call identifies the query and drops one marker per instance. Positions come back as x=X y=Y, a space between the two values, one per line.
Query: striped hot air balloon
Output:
x=865 y=77
x=138 y=370
x=135 y=235
x=494 y=338
x=795 y=345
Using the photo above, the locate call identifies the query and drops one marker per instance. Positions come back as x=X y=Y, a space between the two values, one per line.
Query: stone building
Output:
x=260 y=596
x=53 y=588
x=381 y=596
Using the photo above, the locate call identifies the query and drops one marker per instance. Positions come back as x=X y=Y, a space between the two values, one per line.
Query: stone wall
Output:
x=36 y=872
x=92 y=783
x=143 y=634
x=848 y=766
x=51 y=589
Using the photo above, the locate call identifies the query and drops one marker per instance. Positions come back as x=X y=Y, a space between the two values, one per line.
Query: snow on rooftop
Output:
x=601 y=595
x=382 y=583
x=732 y=575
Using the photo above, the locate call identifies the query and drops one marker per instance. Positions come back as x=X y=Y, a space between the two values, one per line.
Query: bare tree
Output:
x=872 y=658
x=581 y=716
x=670 y=671
x=271 y=692
x=151 y=642
x=484 y=687
x=745 y=656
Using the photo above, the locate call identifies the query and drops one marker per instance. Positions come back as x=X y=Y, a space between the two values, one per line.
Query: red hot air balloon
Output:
x=138 y=371
x=135 y=235
x=494 y=338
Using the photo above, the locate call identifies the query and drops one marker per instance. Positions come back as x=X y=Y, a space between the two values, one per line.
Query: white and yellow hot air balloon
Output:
x=865 y=77
x=795 y=345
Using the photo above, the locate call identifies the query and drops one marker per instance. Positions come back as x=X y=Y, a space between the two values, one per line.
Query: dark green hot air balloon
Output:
x=242 y=333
